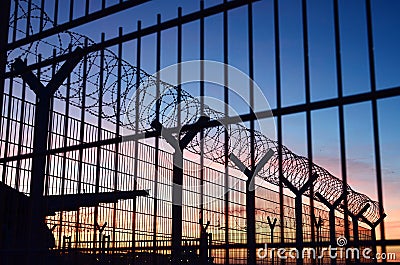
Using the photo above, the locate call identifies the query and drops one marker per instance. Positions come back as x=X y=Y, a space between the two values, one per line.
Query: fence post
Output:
x=272 y=227
x=66 y=245
x=179 y=145
x=332 y=220
x=354 y=219
x=373 y=232
x=40 y=138
x=299 y=210
x=250 y=199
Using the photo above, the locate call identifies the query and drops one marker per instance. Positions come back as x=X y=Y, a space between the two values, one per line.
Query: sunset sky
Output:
x=325 y=128
x=325 y=125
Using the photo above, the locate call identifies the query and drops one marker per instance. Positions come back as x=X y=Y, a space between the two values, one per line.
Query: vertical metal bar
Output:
x=47 y=178
x=41 y=19
x=272 y=227
x=226 y=134
x=356 y=236
x=318 y=248
x=341 y=113
x=178 y=164
x=81 y=140
x=4 y=27
x=55 y=19
x=179 y=61
x=8 y=124
x=373 y=239
x=65 y=142
x=98 y=150
x=157 y=140
x=201 y=108
x=332 y=222
x=203 y=247
x=28 y=19
x=332 y=232
x=117 y=133
x=87 y=6
x=279 y=120
x=308 y=114
x=21 y=134
x=250 y=185
x=375 y=120
x=71 y=10
x=14 y=34
x=14 y=214
x=299 y=226
x=137 y=104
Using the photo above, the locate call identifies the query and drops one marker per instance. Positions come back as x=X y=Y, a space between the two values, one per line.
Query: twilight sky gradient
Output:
x=325 y=126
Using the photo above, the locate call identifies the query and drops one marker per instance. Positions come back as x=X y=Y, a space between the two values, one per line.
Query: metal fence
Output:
x=85 y=152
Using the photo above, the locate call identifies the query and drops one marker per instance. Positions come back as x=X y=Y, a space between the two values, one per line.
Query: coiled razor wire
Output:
x=295 y=168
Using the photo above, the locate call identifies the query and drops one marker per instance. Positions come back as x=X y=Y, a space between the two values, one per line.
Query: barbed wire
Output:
x=119 y=93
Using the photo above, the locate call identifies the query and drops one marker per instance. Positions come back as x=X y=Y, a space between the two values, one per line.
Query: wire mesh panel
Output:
x=83 y=114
